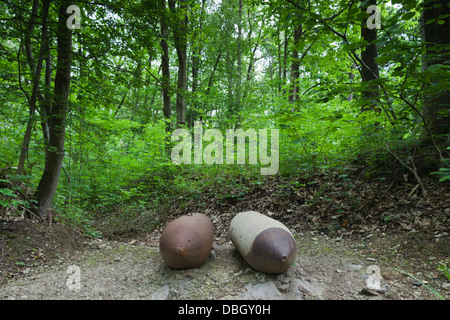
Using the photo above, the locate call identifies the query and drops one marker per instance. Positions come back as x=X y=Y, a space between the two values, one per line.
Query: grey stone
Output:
x=262 y=291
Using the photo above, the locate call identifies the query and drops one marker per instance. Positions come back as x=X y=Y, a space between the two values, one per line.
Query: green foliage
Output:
x=444 y=172
x=12 y=192
x=116 y=161
x=445 y=269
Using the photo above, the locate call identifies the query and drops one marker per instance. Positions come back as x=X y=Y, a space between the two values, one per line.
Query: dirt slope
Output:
x=325 y=268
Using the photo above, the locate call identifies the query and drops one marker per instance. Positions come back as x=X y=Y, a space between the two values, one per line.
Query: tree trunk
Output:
x=46 y=107
x=197 y=49
x=238 y=102
x=55 y=152
x=213 y=73
x=280 y=66
x=36 y=74
x=437 y=41
x=179 y=31
x=165 y=80
x=285 y=55
x=295 y=64
x=369 y=67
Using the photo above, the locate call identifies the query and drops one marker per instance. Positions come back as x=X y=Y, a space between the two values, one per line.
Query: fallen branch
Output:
x=413 y=190
x=413 y=169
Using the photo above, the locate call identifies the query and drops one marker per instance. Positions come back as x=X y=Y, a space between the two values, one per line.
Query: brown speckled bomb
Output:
x=266 y=244
x=186 y=242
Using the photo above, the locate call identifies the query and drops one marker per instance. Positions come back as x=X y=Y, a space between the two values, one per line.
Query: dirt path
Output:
x=325 y=268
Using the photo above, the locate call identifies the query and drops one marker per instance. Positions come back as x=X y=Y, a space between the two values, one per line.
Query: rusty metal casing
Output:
x=186 y=242
x=266 y=244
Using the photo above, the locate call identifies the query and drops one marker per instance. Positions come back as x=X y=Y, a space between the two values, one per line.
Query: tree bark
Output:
x=36 y=74
x=238 y=102
x=197 y=49
x=46 y=107
x=213 y=73
x=285 y=55
x=55 y=152
x=165 y=80
x=179 y=29
x=369 y=67
x=437 y=41
x=295 y=64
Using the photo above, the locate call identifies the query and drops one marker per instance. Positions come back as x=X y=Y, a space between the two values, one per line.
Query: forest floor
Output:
x=343 y=228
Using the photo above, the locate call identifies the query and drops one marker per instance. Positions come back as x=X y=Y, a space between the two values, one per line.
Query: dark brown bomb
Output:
x=186 y=242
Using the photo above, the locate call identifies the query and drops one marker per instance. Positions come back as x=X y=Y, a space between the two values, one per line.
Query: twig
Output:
x=32 y=213
x=413 y=169
x=157 y=80
x=413 y=190
x=424 y=123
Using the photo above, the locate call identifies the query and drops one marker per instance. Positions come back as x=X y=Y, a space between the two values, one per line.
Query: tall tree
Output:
x=179 y=30
x=57 y=118
x=35 y=72
x=369 y=67
x=436 y=26
x=295 y=64
x=165 y=79
x=238 y=102
x=196 y=55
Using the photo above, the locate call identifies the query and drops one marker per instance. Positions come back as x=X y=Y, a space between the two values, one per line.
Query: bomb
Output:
x=266 y=244
x=186 y=242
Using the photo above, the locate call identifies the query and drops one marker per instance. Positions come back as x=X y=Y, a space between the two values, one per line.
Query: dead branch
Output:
x=413 y=169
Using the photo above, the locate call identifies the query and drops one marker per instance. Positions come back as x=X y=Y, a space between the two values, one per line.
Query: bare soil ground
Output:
x=344 y=226
x=35 y=261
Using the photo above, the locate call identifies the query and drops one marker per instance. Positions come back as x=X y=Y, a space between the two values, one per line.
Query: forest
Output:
x=116 y=115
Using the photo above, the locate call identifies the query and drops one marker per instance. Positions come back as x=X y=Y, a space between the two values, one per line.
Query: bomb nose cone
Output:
x=266 y=244
x=273 y=251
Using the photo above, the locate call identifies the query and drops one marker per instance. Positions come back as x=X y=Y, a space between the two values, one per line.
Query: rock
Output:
x=392 y=294
x=417 y=283
x=142 y=294
x=446 y=286
x=262 y=291
x=162 y=293
x=213 y=255
x=295 y=290
x=292 y=289
x=355 y=267
x=307 y=287
x=390 y=274
x=369 y=292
